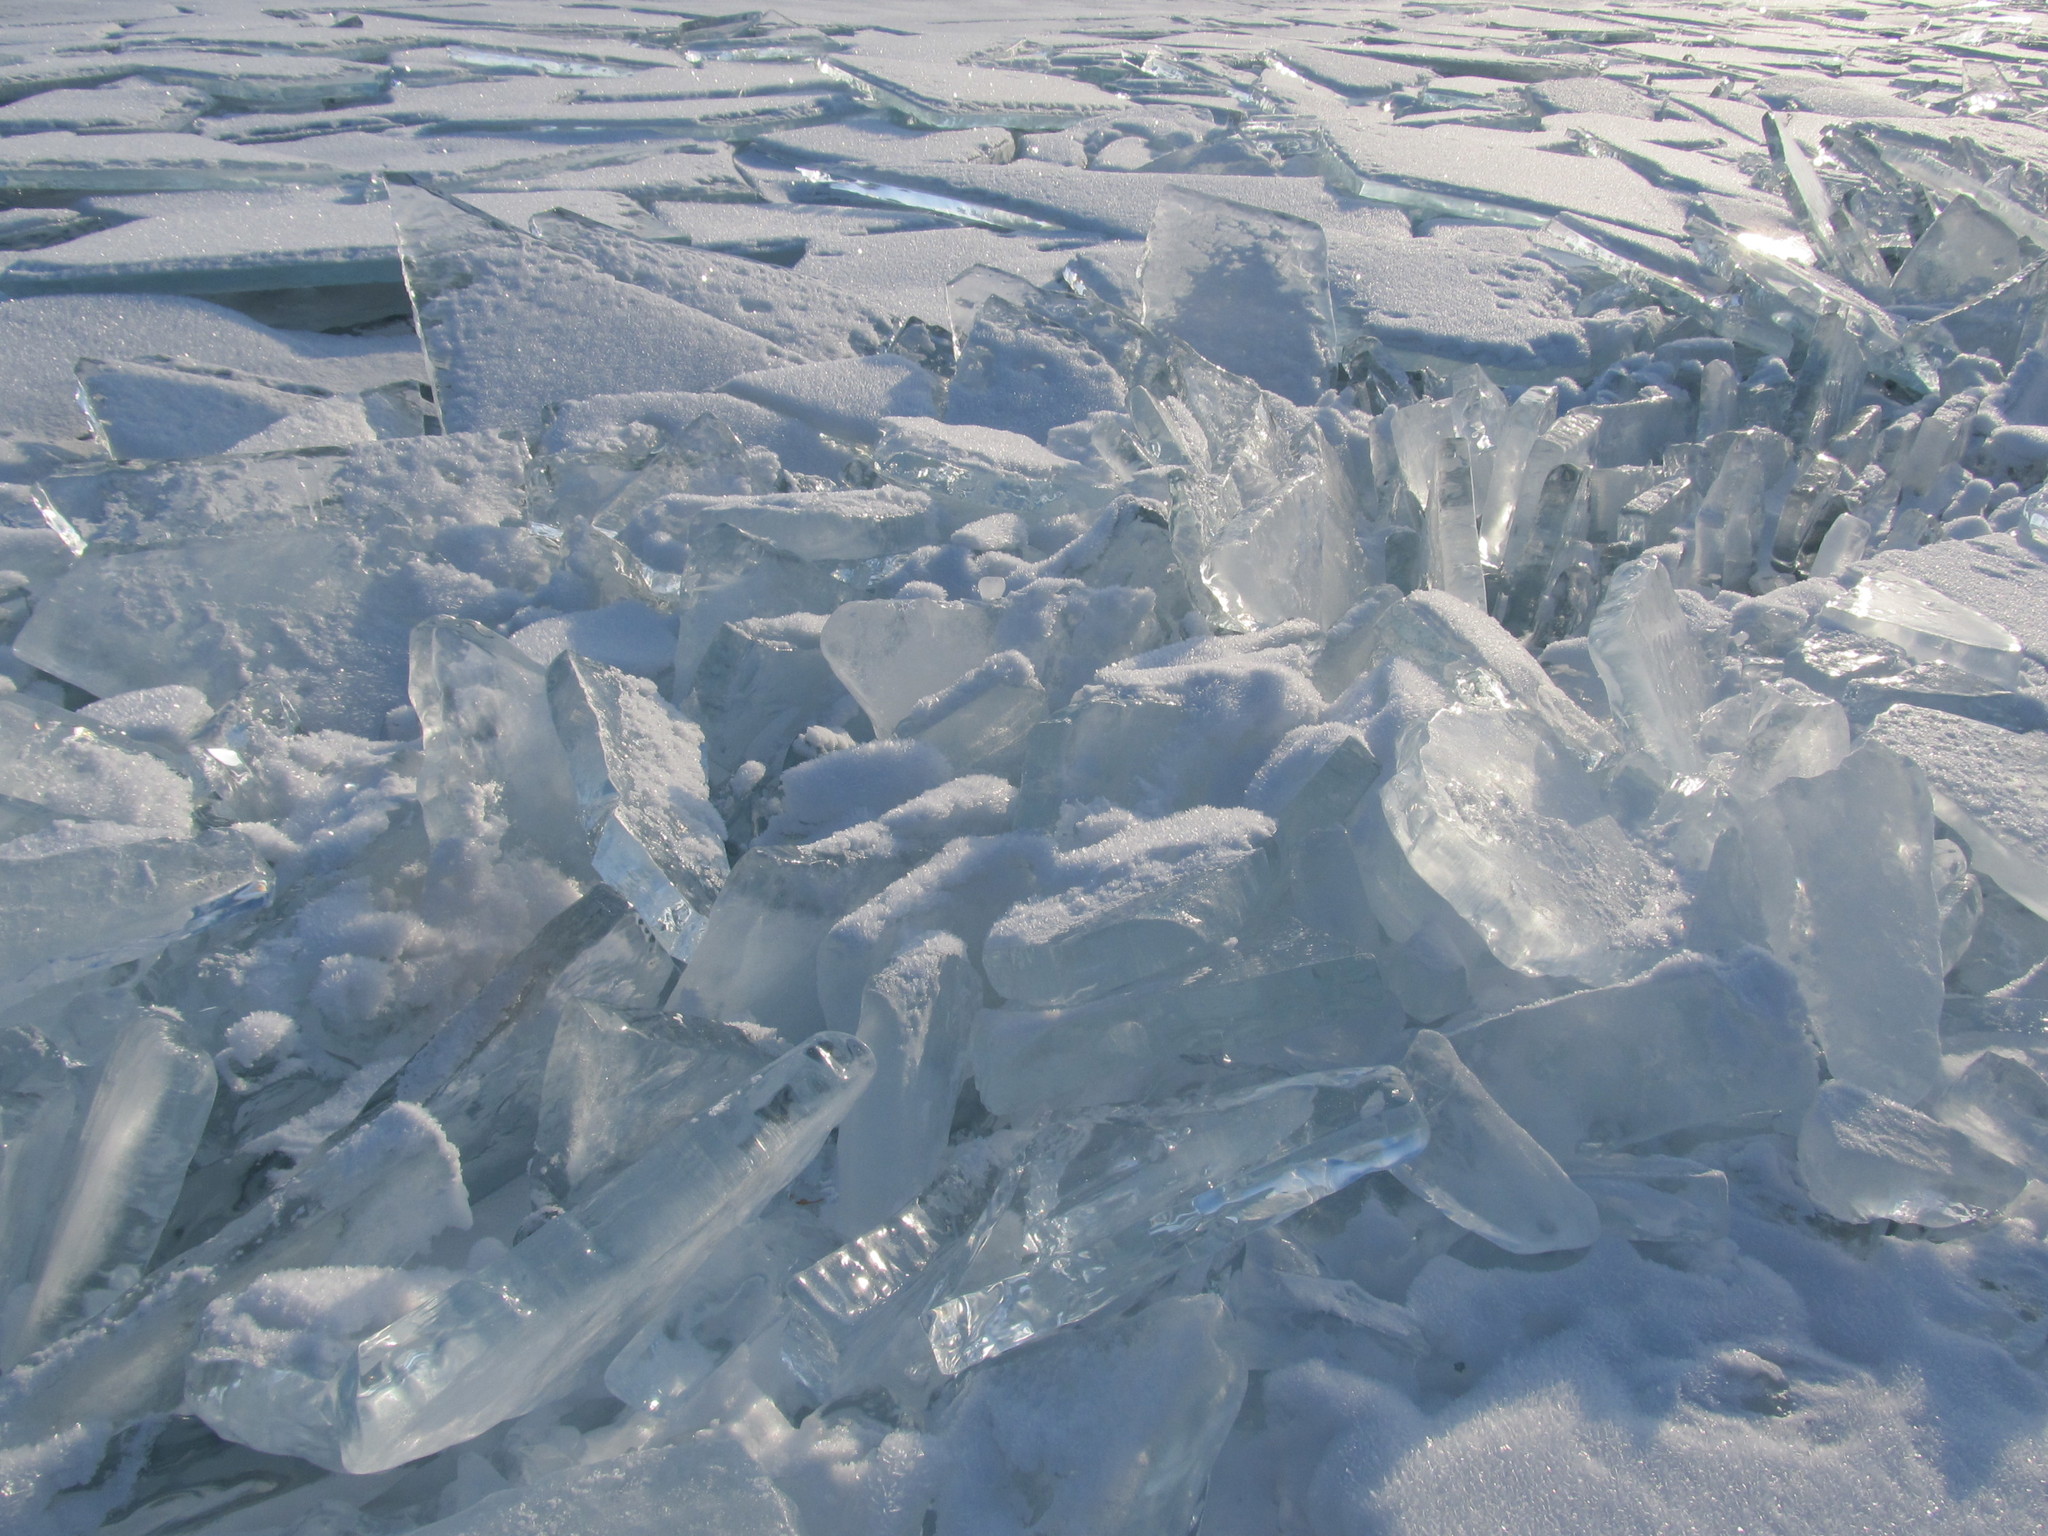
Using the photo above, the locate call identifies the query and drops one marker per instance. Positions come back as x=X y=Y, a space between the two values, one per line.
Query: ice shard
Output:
x=1127 y=1198
x=1483 y=1170
x=637 y=769
x=495 y=1343
x=1864 y=1157
x=154 y=1094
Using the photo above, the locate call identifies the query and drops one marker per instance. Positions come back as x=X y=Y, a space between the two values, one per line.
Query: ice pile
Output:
x=815 y=778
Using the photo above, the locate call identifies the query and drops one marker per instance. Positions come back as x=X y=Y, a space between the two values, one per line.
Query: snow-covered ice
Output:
x=901 y=771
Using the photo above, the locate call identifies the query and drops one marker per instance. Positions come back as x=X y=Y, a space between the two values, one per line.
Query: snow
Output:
x=1051 y=769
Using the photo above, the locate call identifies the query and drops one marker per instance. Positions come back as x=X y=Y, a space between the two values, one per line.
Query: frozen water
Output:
x=1386 y=669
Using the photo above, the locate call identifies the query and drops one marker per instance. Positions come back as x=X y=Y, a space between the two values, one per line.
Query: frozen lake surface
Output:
x=961 y=771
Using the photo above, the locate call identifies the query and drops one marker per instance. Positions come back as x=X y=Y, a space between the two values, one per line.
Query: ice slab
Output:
x=1868 y=1158
x=512 y=325
x=942 y=95
x=1985 y=782
x=220 y=243
x=1483 y=1170
x=1694 y=1043
x=496 y=1342
x=1477 y=793
x=73 y=906
x=845 y=400
x=1926 y=625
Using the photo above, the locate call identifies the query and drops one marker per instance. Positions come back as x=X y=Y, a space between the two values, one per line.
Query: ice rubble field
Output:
x=897 y=774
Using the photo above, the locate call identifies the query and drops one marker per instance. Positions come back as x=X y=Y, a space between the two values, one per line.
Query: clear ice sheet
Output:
x=1156 y=574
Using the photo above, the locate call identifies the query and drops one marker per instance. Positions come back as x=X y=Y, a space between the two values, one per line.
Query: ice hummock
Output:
x=1382 y=678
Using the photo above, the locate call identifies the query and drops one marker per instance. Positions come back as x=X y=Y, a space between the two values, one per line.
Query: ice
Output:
x=74 y=905
x=1146 y=570
x=698 y=1488
x=1205 y=260
x=613 y=1085
x=1983 y=781
x=892 y=653
x=1483 y=1170
x=496 y=1342
x=1485 y=802
x=1650 y=665
x=1129 y=1191
x=1869 y=1158
x=637 y=767
x=914 y=1016
x=1928 y=626
x=1160 y=1390
x=1694 y=1044
x=147 y=1113
x=494 y=768
x=268 y=1356
x=1154 y=897
x=374 y=1198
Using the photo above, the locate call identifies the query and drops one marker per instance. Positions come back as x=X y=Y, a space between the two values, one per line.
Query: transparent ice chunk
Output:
x=914 y=1015
x=1650 y=664
x=1655 y=1199
x=1146 y=1191
x=1504 y=823
x=494 y=770
x=2001 y=1103
x=1927 y=625
x=1483 y=1170
x=1866 y=1158
x=1846 y=896
x=500 y=1339
x=978 y=721
x=1987 y=785
x=613 y=1086
x=166 y=410
x=1695 y=1043
x=894 y=652
x=267 y=1358
x=375 y=1197
x=637 y=767
x=761 y=683
x=826 y=526
x=1151 y=1398
x=79 y=906
x=39 y=1109
x=147 y=1114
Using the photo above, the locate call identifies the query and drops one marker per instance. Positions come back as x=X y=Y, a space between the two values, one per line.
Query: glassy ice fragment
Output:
x=1292 y=998
x=722 y=1309
x=154 y=1095
x=944 y=95
x=375 y=1197
x=1503 y=823
x=914 y=1015
x=1483 y=1170
x=2001 y=1103
x=1155 y=897
x=1928 y=626
x=637 y=767
x=1693 y=1043
x=856 y=1315
x=79 y=769
x=734 y=578
x=1842 y=863
x=494 y=769
x=1149 y=1190
x=1846 y=541
x=267 y=1358
x=78 y=906
x=894 y=652
x=1868 y=1158
x=167 y=410
x=495 y=1343
x=1023 y=375
x=979 y=469
x=39 y=1108
x=1964 y=254
x=1247 y=288
x=820 y=525
x=613 y=1086
x=1989 y=785
x=1650 y=664
x=1151 y=1400
x=1449 y=525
